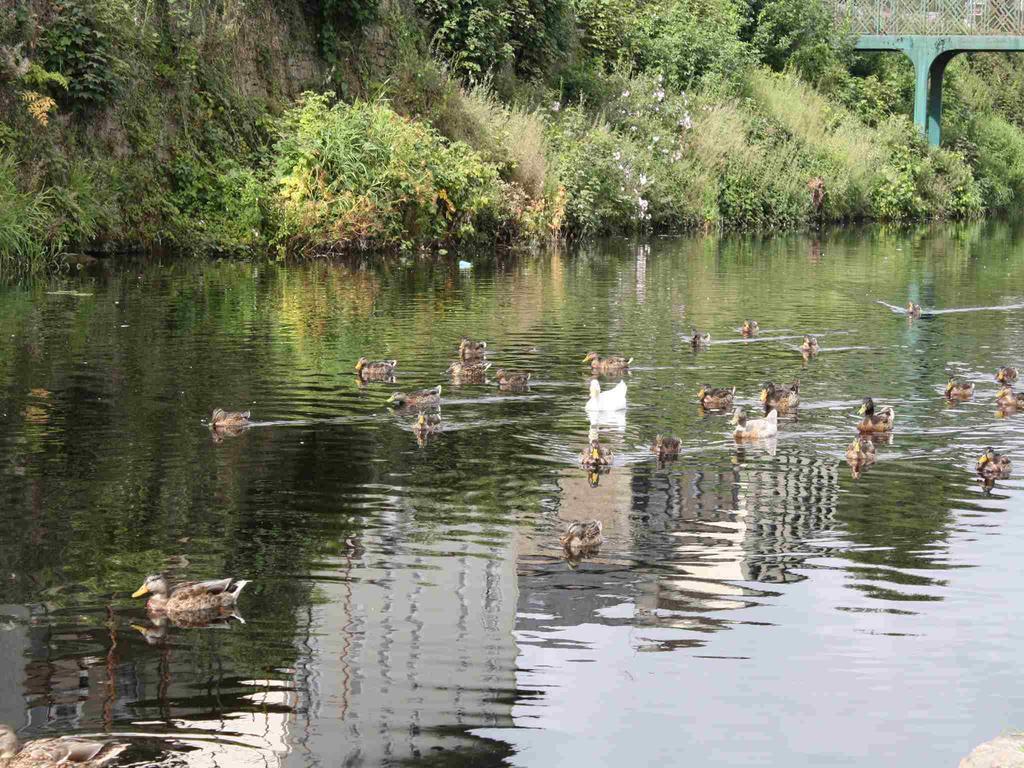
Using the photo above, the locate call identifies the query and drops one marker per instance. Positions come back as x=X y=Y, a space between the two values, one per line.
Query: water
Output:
x=410 y=603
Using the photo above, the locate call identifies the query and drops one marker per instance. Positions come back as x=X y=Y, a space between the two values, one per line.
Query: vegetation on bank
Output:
x=320 y=126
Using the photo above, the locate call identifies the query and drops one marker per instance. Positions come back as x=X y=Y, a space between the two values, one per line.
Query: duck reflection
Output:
x=156 y=632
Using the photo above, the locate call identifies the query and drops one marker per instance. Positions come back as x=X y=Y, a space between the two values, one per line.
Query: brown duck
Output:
x=1008 y=399
x=958 y=389
x=1006 y=375
x=582 y=534
x=779 y=396
x=512 y=380
x=992 y=464
x=595 y=455
x=810 y=345
x=421 y=398
x=468 y=371
x=611 y=364
x=666 y=447
x=222 y=419
x=913 y=310
x=882 y=421
x=470 y=349
x=375 y=370
x=750 y=328
x=53 y=752
x=713 y=398
x=217 y=595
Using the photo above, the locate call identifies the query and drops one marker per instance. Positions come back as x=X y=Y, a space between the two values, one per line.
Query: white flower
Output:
x=625 y=94
x=656 y=139
x=643 y=180
x=617 y=156
x=556 y=106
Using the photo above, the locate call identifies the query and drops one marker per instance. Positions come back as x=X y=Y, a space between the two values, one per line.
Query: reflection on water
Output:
x=410 y=601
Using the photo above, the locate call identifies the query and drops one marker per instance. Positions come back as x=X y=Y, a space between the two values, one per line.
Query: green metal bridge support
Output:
x=931 y=33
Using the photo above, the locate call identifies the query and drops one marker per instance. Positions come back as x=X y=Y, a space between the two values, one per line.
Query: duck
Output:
x=216 y=595
x=427 y=424
x=468 y=371
x=875 y=422
x=860 y=452
x=582 y=534
x=512 y=379
x=1006 y=375
x=421 y=398
x=779 y=396
x=610 y=364
x=754 y=429
x=958 y=389
x=53 y=752
x=595 y=455
x=222 y=419
x=699 y=338
x=613 y=399
x=810 y=345
x=470 y=349
x=992 y=464
x=1007 y=398
x=713 y=398
x=375 y=370
x=750 y=328
x=913 y=310
x=666 y=447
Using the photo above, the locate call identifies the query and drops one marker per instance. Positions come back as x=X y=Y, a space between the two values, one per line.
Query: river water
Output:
x=410 y=602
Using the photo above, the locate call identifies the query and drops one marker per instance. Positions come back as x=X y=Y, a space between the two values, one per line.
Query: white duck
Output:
x=613 y=399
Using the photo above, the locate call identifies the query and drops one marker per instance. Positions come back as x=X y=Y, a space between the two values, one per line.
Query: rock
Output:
x=1006 y=751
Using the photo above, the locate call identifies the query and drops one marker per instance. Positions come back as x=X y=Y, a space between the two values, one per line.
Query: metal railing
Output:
x=932 y=17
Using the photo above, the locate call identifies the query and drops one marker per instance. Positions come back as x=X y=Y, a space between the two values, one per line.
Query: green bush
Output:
x=25 y=242
x=362 y=176
x=798 y=33
x=80 y=42
x=999 y=161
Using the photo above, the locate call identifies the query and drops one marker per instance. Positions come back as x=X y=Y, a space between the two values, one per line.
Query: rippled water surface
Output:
x=410 y=602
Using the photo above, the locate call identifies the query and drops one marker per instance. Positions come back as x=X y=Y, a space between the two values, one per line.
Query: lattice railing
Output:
x=932 y=17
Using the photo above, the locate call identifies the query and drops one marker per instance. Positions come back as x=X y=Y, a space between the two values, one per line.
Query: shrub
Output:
x=999 y=160
x=798 y=33
x=24 y=219
x=80 y=43
x=361 y=176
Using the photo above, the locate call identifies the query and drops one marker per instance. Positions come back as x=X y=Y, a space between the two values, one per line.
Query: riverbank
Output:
x=302 y=129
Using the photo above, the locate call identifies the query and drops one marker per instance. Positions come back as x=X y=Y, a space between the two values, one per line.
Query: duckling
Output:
x=860 y=452
x=219 y=594
x=713 y=398
x=53 y=752
x=513 y=380
x=1010 y=400
x=992 y=464
x=610 y=364
x=427 y=424
x=222 y=419
x=469 y=371
x=421 y=398
x=595 y=455
x=1006 y=375
x=913 y=310
x=958 y=389
x=754 y=429
x=699 y=338
x=875 y=422
x=666 y=447
x=470 y=349
x=750 y=328
x=780 y=397
x=375 y=370
x=810 y=345
x=582 y=534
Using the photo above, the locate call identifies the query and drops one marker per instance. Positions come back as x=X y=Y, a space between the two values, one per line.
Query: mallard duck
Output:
x=512 y=379
x=610 y=364
x=810 y=345
x=754 y=429
x=958 y=389
x=699 y=338
x=613 y=399
x=913 y=310
x=470 y=349
x=1007 y=398
x=375 y=370
x=713 y=398
x=219 y=594
x=53 y=752
x=582 y=534
x=992 y=464
x=222 y=419
x=779 y=396
x=469 y=371
x=860 y=452
x=1006 y=375
x=595 y=455
x=421 y=398
x=875 y=422
x=666 y=447
x=750 y=328
x=427 y=424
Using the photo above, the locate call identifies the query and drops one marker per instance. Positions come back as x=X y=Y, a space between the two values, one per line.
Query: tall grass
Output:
x=25 y=242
